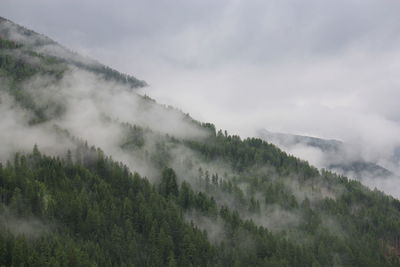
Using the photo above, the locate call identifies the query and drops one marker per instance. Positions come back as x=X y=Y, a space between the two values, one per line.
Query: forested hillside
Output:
x=42 y=48
x=93 y=174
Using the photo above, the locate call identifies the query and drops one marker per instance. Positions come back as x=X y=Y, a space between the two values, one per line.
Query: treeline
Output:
x=110 y=74
x=20 y=69
x=97 y=213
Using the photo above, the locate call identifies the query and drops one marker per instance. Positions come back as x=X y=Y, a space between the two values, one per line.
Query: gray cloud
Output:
x=205 y=32
x=322 y=68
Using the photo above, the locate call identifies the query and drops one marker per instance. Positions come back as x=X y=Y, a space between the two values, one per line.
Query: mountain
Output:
x=336 y=155
x=94 y=174
x=288 y=140
x=37 y=45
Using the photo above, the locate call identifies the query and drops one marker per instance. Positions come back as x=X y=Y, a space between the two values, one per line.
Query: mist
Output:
x=84 y=104
x=29 y=227
x=243 y=65
x=321 y=69
x=320 y=77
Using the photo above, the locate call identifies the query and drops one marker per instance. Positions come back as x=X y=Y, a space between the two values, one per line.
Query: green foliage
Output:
x=168 y=185
x=96 y=212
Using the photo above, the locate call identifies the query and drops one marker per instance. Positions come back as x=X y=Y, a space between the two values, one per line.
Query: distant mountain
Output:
x=335 y=154
x=288 y=140
x=94 y=174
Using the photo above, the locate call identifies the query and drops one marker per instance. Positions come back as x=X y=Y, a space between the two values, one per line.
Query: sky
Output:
x=322 y=68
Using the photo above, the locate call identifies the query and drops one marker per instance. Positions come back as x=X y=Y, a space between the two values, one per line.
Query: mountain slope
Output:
x=201 y=197
x=39 y=46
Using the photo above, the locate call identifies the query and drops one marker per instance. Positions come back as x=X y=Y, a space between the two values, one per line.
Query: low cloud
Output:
x=322 y=69
x=16 y=135
x=28 y=227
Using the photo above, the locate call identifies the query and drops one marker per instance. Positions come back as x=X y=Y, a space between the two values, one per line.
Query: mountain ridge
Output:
x=44 y=45
x=334 y=150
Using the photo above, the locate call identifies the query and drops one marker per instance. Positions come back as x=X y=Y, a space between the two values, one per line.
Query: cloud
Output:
x=29 y=227
x=320 y=68
x=16 y=135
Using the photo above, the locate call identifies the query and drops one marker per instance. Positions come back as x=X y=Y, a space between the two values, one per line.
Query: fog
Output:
x=85 y=105
x=326 y=69
x=321 y=69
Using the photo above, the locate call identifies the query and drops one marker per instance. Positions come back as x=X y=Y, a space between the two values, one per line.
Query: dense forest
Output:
x=94 y=211
x=154 y=196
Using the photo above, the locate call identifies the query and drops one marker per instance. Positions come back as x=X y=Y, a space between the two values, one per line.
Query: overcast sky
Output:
x=323 y=68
